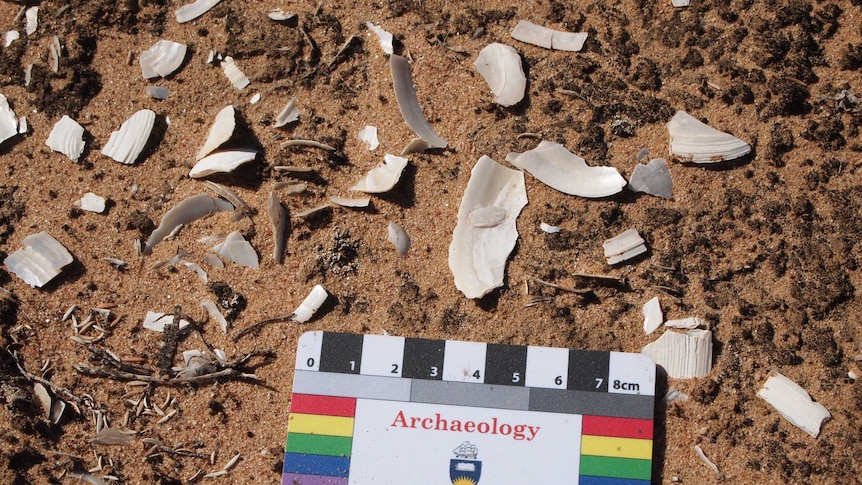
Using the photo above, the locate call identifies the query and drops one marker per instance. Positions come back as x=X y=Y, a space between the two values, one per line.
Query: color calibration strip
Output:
x=319 y=440
x=616 y=451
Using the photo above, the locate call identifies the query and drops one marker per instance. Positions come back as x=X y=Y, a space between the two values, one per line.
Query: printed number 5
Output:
x=516 y=377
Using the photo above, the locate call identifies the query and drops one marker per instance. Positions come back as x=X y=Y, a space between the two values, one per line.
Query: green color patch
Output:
x=316 y=444
x=604 y=466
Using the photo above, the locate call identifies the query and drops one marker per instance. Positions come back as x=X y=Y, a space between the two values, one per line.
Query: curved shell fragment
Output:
x=32 y=16
x=794 y=403
x=564 y=171
x=194 y=10
x=399 y=238
x=126 y=144
x=408 y=104
x=310 y=304
x=280 y=15
x=287 y=115
x=67 y=137
x=157 y=92
x=42 y=259
x=382 y=178
x=224 y=161
x=234 y=74
x=624 y=247
x=279 y=219
x=368 y=136
x=477 y=255
x=384 y=37
x=534 y=34
x=91 y=202
x=220 y=131
x=500 y=65
x=162 y=59
x=693 y=141
x=683 y=355
x=653 y=178
x=348 y=202
x=235 y=248
x=8 y=120
x=188 y=210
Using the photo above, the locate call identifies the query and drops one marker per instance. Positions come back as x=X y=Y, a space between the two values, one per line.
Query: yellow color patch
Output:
x=323 y=425
x=616 y=447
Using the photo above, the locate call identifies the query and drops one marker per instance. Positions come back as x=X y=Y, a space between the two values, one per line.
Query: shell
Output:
x=235 y=248
x=500 y=65
x=653 y=178
x=126 y=144
x=8 y=120
x=477 y=255
x=534 y=34
x=399 y=238
x=234 y=74
x=652 y=315
x=42 y=259
x=693 y=141
x=384 y=37
x=346 y=202
x=162 y=59
x=190 y=209
x=287 y=115
x=91 y=202
x=67 y=137
x=310 y=304
x=12 y=36
x=157 y=92
x=683 y=355
x=687 y=323
x=279 y=219
x=194 y=10
x=368 y=136
x=408 y=104
x=562 y=170
x=220 y=131
x=156 y=321
x=794 y=403
x=32 y=15
x=545 y=227
x=280 y=15
x=214 y=313
x=224 y=161
x=382 y=178
x=624 y=247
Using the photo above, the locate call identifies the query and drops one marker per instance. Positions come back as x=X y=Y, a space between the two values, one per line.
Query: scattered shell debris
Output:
x=652 y=315
x=220 y=132
x=310 y=304
x=8 y=120
x=383 y=177
x=233 y=73
x=235 y=248
x=91 y=202
x=697 y=142
x=623 y=247
x=194 y=10
x=41 y=260
x=408 y=103
x=126 y=144
x=653 y=178
x=287 y=115
x=683 y=355
x=794 y=403
x=162 y=59
x=368 y=136
x=156 y=321
x=500 y=66
x=383 y=36
x=399 y=238
x=562 y=170
x=477 y=255
x=67 y=137
x=224 y=161
x=53 y=408
x=188 y=210
x=549 y=228
x=528 y=32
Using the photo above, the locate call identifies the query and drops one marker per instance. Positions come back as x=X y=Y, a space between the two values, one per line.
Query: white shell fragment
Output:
x=162 y=59
x=32 y=15
x=67 y=137
x=22 y=125
x=157 y=92
x=624 y=247
x=500 y=65
x=652 y=315
x=194 y=10
x=382 y=178
x=12 y=36
x=255 y=98
x=477 y=255
x=653 y=179
x=280 y=15
x=408 y=104
x=399 y=238
x=8 y=120
x=220 y=131
x=545 y=227
x=54 y=51
x=687 y=323
x=214 y=313
x=42 y=258
x=188 y=210
x=127 y=143
x=794 y=403
x=156 y=321
x=680 y=3
x=234 y=74
x=562 y=170
x=534 y=34
x=91 y=202
x=279 y=219
x=224 y=161
x=487 y=216
x=683 y=355
x=384 y=37
x=368 y=136
x=235 y=248
x=287 y=115
x=310 y=304
x=348 y=202
x=693 y=141
x=53 y=408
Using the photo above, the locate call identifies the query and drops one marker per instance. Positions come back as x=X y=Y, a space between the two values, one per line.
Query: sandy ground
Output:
x=765 y=249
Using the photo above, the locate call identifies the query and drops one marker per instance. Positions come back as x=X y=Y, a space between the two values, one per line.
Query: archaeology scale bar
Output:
x=381 y=409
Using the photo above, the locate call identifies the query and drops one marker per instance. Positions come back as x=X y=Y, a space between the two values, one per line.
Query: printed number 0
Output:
x=310 y=362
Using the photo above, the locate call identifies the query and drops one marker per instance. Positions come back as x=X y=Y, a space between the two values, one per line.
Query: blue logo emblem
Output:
x=465 y=469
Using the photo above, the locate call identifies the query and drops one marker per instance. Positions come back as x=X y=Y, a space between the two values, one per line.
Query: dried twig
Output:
x=55 y=388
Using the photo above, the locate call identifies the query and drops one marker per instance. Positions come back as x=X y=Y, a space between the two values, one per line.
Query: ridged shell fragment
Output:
x=224 y=161
x=693 y=141
x=562 y=170
x=687 y=323
x=194 y=10
x=188 y=210
x=234 y=74
x=382 y=178
x=683 y=355
x=500 y=65
x=408 y=104
x=534 y=34
x=384 y=37
x=220 y=131
x=287 y=115
x=794 y=403
x=67 y=137
x=624 y=247
x=399 y=238
x=91 y=202
x=653 y=179
x=8 y=120
x=126 y=144
x=235 y=248
x=42 y=259
x=162 y=59
x=477 y=255
x=310 y=304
